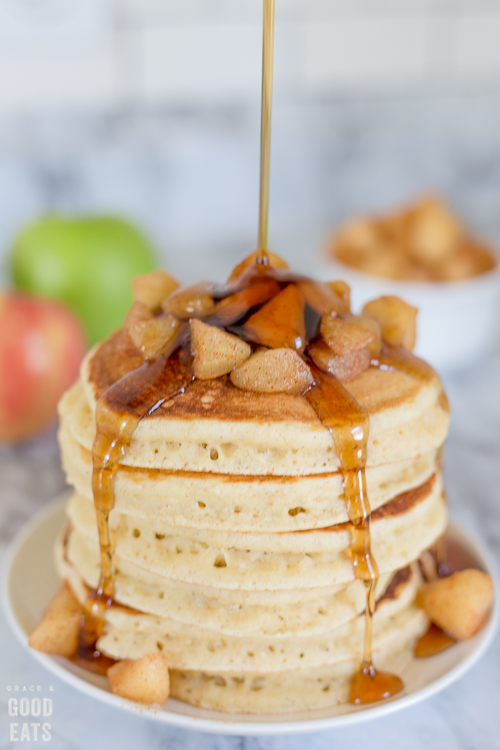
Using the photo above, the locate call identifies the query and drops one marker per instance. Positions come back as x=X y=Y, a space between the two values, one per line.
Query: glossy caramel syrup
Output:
x=140 y=392
x=265 y=126
x=87 y=654
x=349 y=425
x=119 y=411
x=433 y=642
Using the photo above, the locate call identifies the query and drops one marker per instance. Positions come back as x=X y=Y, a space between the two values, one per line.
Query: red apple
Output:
x=41 y=347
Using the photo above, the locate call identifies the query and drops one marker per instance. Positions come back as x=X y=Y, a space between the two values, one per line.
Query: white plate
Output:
x=31 y=581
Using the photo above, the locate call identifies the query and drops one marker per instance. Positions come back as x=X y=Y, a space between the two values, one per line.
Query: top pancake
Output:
x=215 y=427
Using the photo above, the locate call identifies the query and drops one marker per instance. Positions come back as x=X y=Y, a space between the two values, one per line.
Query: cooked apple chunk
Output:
x=346 y=366
x=215 y=352
x=273 y=371
x=344 y=336
x=138 y=313
x=230 y=308
x=153 y=288
x=194 y=301
x=458 y=604
x=434 y=232
x=153 y=336
x=321 y=297
x=397 y=319
x=280 y=322
x=343 y=292
x=366 y=321
x=57 y=633
x=145 y=680
x=274 y=260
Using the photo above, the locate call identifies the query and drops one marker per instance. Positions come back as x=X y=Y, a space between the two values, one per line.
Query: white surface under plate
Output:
x=31 y=581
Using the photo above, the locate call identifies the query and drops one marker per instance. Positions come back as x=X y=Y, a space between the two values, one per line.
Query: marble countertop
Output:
x=462 y=717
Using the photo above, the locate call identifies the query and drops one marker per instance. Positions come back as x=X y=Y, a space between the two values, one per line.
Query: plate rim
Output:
x=226 y=724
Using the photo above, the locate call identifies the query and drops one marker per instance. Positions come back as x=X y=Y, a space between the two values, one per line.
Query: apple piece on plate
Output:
x=280 y=322
x=41 y=347
x=152 y=288
x=397 y=319
x=145 y=680
x=57 y=633
x=215 y=352
x=273 y=371
x=458 y=604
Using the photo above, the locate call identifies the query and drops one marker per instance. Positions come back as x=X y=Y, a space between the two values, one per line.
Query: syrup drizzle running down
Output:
x=349 y=425
x=119 y=410
x=140 y=392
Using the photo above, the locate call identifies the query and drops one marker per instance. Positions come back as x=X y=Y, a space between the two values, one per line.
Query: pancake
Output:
x=207 y=427
x=235 y=547
x=132 y=634
x=265 y=561
x=296 y=689
x=245 y=503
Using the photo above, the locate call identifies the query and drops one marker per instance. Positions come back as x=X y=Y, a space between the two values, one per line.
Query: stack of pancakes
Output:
x=232 y=535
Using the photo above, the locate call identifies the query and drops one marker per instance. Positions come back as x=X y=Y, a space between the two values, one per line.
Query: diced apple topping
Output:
x=274 y=260
x=144 y=680
x=138 y=313
x=321 y=297
x=434 y=232
x=152 y=337
x=215 y=352
x=343 y=292
x=346 y=366
x=194 y=301
x=458 y=604
x=273 y=371
x=343 y=336
x=366 y=321
x=398 y=320
x=280 y=322
x=57 y=632
x=231 y=308
x=361 y=234
x=153 y=288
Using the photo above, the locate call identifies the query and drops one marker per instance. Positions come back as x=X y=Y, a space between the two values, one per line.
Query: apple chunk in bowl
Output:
x=426 y=256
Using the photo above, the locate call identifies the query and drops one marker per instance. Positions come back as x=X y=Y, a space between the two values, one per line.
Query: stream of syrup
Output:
x=265 y=126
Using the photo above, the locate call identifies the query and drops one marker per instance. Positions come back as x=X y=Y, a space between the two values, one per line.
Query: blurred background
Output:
x=150 y=109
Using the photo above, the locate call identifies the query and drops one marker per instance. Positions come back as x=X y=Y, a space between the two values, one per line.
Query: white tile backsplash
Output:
x=53 y=24
x=103 y=53
x=56 y=79
x=478 y=57
x=197 y=62
x=364 y=54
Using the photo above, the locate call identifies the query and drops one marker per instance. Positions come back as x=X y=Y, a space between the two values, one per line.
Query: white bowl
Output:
x=458 y=321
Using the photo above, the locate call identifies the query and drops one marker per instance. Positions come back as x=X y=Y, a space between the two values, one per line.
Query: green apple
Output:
x=84 y=262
